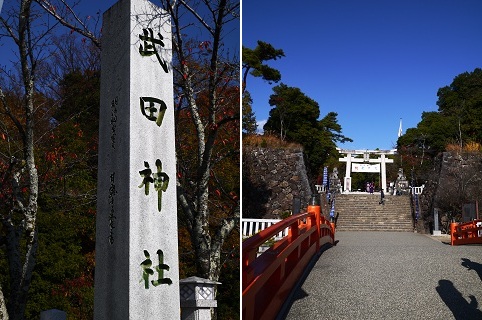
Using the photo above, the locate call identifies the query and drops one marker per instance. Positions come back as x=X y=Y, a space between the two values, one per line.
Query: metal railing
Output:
x=417 y=190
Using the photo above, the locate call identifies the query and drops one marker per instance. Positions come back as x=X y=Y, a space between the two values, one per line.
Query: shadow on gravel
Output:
x=298 y=293
x=461 y=309
x=471 y=265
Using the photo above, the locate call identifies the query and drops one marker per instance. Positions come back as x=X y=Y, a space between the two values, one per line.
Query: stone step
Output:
x=372 y=222
x=357 y=215
x=374 y=228
x=374 y=219
x=363 y=212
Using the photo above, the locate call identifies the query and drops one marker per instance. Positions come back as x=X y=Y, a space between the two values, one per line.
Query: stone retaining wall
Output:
x=456 y=179
x=271 y=179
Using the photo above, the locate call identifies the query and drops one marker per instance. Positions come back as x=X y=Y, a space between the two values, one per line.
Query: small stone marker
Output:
x=137 y=267
x=436 y=231
x=469 y=212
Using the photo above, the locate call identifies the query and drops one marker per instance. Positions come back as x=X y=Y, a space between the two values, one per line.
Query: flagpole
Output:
x=399 y=135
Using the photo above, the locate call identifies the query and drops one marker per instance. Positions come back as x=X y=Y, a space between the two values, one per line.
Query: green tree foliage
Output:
x=462 y=102
x=67 y=171
x=253 y=60
x=63 y=278
x=295 y=119
x=294 y=114
x=66 y=130
x=206 y=85
x=431 y=134
x=331 y=134
x=224 y=183
x=249 y=119
x=21 y=113
x=458 y=121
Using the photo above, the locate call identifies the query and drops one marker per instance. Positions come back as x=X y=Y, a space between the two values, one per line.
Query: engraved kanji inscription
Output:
x=149 y=47
x=153 y=109
x=147 y=271
x=159 y=179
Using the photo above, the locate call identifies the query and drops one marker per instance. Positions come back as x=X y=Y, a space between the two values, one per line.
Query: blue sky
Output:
x=86 y=8
x=372 y=62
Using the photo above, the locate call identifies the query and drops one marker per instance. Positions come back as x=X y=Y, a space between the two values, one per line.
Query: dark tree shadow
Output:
x=256 y=196
x=471 y=265
x=461 y=309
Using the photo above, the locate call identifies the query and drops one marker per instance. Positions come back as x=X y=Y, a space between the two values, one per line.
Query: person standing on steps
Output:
x=382 y=197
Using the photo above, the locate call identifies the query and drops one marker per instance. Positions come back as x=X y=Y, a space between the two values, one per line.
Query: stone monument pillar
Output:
x=137 y=267
x=383 y=171
x=436 y=231
x=347 y=179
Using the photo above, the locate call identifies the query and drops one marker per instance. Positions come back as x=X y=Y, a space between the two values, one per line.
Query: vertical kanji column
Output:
x=137 y=274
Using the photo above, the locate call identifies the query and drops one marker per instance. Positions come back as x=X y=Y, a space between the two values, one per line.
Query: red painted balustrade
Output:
x=269 y=278
x=466 y=233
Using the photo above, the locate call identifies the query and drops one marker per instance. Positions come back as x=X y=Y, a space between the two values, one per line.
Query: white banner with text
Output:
x=365 y=167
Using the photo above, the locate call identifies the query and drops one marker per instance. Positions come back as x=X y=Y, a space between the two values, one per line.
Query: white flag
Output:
x=400 y=129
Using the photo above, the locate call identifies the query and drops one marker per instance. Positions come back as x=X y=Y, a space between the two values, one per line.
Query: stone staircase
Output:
x=362 y=212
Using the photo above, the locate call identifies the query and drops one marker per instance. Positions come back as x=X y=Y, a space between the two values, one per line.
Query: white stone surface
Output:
x=128 y=221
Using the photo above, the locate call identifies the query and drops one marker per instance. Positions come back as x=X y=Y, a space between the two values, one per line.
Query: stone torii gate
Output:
x=365 y=164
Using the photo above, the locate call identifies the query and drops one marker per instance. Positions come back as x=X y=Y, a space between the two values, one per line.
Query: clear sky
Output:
x=86 y=8
x=8 y=51
x=373 y=62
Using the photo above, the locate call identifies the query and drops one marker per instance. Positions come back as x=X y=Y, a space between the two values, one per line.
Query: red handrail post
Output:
x=316 y=209
x=293 y=230
x=453 y=232
x=268 y=278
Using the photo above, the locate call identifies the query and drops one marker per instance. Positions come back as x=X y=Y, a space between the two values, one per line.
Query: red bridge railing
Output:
x=268 y=279
x=466 y=233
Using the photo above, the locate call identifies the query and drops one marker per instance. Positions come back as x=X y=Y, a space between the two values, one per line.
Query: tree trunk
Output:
x=20 y=221
x=3 y=306
x=20 y=273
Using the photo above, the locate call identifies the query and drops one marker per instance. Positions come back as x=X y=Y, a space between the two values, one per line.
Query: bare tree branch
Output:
x=83 y=29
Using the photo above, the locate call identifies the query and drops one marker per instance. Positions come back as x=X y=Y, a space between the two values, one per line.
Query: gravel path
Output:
x=392 y=275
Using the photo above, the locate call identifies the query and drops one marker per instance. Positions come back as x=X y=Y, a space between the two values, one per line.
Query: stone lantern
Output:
x=197 y=298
